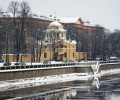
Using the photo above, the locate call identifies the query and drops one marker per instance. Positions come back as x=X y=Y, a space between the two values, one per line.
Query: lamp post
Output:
x=16 y=44
x=41 y=44
x=7 y=55
x=91 y=45
x=50 y=46
x=0 y=45
x=37 y=45
x=69 y=46
x=109 y=48
x=32 y=49
x=89 y=39
x=80 y=44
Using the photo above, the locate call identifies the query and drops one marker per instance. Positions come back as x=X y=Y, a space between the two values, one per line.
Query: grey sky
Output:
x=103 y=12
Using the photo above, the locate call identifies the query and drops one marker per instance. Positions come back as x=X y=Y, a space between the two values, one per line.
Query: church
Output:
x=56 y=46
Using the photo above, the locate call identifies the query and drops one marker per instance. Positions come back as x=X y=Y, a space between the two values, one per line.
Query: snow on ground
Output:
x=37 y=81
x=1 y=64
x=33 y=63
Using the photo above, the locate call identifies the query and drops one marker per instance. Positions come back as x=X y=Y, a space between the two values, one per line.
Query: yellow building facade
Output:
x=56 y=46
x=22 y=57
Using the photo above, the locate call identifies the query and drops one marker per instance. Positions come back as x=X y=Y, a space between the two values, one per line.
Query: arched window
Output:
x=73 y=55
x=65 y=54
x=45 y=55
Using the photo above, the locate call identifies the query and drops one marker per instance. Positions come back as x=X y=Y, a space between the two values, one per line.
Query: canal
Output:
x=102 y=88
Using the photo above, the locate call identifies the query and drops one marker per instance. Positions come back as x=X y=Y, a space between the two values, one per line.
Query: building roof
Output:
x=88 y=24
x=56 y=30
x=73 y=20
x=55 y=23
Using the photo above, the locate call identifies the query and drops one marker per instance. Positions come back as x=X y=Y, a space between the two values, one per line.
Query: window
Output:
x=61 y=46
x=65 y=54
x=57 y=35
x=45 y=55
x=73 y=54
x=56 y=56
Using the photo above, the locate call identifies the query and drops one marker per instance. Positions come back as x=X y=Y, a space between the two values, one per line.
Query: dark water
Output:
x=104 y=88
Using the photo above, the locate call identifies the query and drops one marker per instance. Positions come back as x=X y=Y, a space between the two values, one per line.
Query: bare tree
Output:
x=14 y=9
x=41 y=44
x=1 y=12
x=24 y=12
x=54 y=36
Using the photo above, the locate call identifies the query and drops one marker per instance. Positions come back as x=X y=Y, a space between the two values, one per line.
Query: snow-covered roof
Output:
x=6 y=14
x=55 y=23
x=88 y=24
x=73 y=42
x=56 y=30
x=69 y=20
x=42 y=17
x=61 y=20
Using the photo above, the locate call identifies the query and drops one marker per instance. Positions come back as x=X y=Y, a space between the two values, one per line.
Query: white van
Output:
x=113 y=58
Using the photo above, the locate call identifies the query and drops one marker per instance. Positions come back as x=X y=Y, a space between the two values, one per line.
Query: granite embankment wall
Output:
x=109 y=66
x=43 y=72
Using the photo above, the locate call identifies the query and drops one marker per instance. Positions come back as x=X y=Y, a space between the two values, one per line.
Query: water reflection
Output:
x=103 y=88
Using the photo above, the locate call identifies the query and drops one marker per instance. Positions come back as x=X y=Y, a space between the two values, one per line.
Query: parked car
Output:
x=7 y=64
x=49 y=62
x=113 y=58
x=46 y=62
x=98 y=58
x=19 y=63
x=1 y=60
x=69 y=61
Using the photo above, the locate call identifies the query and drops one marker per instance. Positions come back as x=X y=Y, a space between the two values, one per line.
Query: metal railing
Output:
x=110 y=61
x=35 y=66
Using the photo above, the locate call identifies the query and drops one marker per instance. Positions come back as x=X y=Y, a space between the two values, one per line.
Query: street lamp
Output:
x=16 y=44
x=7 y=56
x=0 y=45
x=69 y=46
x=32 y=49
x=37 y=45
x=80 y=44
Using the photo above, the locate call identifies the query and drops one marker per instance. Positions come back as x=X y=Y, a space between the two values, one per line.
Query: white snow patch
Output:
x=37 y=81
x=55 y=23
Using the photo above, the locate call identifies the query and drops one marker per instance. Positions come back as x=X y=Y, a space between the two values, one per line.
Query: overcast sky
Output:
x=103 y=12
